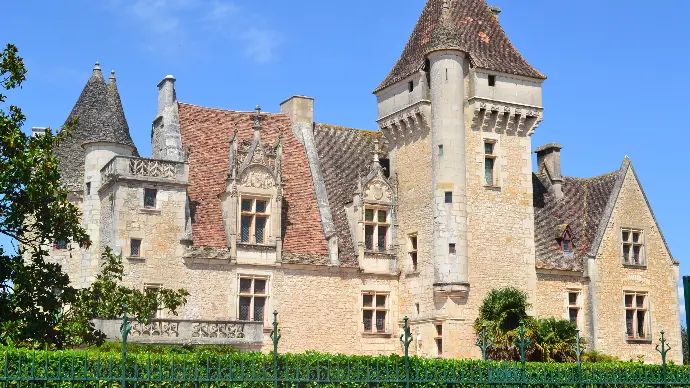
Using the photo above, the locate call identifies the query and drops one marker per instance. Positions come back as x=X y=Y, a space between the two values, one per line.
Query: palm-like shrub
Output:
x=554 y=340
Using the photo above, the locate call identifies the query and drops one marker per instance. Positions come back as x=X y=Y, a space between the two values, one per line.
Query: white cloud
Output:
x=169 y=25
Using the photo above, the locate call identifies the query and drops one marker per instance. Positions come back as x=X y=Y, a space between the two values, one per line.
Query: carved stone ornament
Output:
x=217 y=330
x=377 y=190
x=259 y=177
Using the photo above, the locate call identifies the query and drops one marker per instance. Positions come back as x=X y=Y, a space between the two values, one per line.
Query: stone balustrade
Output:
x=144 y=169
x=243 y=335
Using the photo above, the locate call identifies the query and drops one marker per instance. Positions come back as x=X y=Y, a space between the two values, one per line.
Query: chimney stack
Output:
x=495 y=10
x=166 y=142
x=549 y=162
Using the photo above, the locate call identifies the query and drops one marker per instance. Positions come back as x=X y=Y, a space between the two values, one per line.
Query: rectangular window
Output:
x=410 y=86
x=574 y=306
x=150 y=198
x=152 y=287
x=374 y=311
x=254 y=221
x=632 y=241
x=440 y=150
x=451 y=248
x=492 y=80
x=448 y=196
x=412 y=251
x=134 y=247
x=636 y=315
x=489 y=163
x=252 y=299
x=61 y=244
x=88 y=188
x=438 y=338
x=376 y=227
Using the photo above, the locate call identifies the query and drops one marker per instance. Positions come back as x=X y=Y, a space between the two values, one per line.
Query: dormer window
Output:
x=254 y=224
x=567 y=244
x=564 y=239
x=376 y=226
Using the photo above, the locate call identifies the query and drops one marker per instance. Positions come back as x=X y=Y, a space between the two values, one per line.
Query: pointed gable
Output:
x=100 y=117
x=470 y=26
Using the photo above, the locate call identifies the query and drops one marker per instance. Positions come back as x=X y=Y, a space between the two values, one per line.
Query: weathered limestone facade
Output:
x=344 y=232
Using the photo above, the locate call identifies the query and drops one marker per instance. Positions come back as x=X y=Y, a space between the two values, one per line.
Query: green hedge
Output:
x=91 y=368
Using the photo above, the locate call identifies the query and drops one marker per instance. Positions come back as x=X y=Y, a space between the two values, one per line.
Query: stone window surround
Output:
x=494 y=138
x=388 y=223
x=438 y=338
x=578 y=304
x=387 y=320
x=155 y=286
x=267 y=226
x=134 y=235
x=648 y=320
x=149 y=210
x=268 y=308
x=413 y=250
x=643 y=254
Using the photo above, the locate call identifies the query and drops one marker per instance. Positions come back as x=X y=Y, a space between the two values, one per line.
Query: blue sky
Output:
x=617 y=70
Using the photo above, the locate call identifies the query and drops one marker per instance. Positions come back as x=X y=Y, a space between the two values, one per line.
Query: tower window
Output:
x=440 y=150
x=412 y=251
x=150 y=198
x=489 y=163
x=449 y=197
x=88 y=188
x=416 y=308
x=492 y=80
x=438 y=338
x=410 y=86
x=451 y=248
x=135 y=247
x=386 y=164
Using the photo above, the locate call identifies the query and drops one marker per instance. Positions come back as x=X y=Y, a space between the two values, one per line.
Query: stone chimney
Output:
x=549 y=162
x=166 y=141
x=495 y=10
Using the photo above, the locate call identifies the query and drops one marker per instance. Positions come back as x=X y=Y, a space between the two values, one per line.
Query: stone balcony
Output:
x=143 y=169
x=240 y=334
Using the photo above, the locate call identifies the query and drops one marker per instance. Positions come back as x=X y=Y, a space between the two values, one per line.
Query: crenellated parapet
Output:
x=504 y=118
x=405 y=123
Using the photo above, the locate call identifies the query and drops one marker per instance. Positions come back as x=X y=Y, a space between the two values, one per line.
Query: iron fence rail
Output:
x=90 y=369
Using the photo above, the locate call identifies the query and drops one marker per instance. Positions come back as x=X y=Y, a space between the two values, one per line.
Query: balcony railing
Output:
x=181 y=331
x=132 y=167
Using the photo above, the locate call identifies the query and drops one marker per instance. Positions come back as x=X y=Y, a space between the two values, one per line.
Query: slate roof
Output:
x=582 y=209
x=470 y=27
x=345 y=154
x=100 y=118
x=208 y=130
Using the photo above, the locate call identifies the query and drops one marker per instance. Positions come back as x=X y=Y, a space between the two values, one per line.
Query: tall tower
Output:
x=458 y=109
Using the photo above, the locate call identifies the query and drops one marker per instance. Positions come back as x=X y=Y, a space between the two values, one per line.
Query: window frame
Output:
x=574 y=306
x=131 y=245
x=155 y=198
x=252 y=295
x=412 y=251
x=492 y=156
x=635 y=325
x=438 y=339
x=88 y=188
x=253 y=215
x=374 y=308
x=632 y=244
x=375 y=223
x=154 y=286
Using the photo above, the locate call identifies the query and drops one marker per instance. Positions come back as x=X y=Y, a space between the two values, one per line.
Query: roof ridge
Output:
x=343 y=128
x=232 y=110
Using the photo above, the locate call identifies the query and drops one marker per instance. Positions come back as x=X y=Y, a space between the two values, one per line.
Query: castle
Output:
x=344 y=232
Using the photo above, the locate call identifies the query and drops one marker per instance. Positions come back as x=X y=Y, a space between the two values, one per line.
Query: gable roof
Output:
x=583 y=210
x=345 y=155
x=100 y=118
x=207 y=131
x=470 y=27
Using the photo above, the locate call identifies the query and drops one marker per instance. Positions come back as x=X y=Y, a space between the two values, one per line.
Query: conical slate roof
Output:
x=100 y=118
x=467 y=25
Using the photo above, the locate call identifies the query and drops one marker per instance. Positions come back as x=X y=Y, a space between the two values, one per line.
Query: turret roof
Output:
x=468 y=25
x=100 y=117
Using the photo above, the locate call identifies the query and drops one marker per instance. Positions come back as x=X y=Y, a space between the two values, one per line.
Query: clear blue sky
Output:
x=618 y=82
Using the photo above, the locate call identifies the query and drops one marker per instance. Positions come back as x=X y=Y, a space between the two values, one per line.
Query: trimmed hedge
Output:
x=91 y=368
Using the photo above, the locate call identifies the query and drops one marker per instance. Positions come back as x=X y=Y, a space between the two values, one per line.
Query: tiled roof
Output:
x=582 y=209
x=470 y=27
x=100 y=118
x=345 y=154
x=208 y=130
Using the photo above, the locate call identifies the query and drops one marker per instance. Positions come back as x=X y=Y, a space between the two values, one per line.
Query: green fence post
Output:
x=664 y=349
x=483 y=342
x=275 y=336
x=125 y=328
x=686 y=291
x=522 y=342
x=407 y=334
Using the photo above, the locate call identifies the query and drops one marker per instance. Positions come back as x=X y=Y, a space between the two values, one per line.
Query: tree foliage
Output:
x=501 y=313
x=38 y=306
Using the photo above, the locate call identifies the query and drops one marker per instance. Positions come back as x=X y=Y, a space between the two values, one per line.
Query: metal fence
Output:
x=90 y=369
